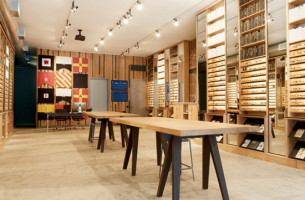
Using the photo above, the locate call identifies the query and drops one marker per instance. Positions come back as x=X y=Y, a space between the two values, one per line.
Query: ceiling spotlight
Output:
x=96 y=48
x=139 y=5
x=204 y=44
x=158 y=33
x=110 y=32
x=269 y=18
x=236 y=46
x=127 y=51
x=125 y=20
x=102 y=41
x=74 y=8
x=129 y=15
x=122 y=54
x=68 y=25
x=137 y=45
x=60 y=44
x=64 y=35
x=235 y=31
x=119 y=24
x=176 y=23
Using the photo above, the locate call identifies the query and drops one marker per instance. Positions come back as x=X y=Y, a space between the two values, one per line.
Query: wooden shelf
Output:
x=216 y=19
x=297 y=2
x=253 y=44
x=253 y=58
x=215 y=45
x=297 y=22
x=253 y=15
x=246 y=4
x=216 y=32
x=253 y=29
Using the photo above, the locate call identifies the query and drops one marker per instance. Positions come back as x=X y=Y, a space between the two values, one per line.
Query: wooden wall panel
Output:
x=112 y=67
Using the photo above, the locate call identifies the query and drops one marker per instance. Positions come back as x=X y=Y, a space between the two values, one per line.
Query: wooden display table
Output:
x=179 y=129
x=104 y=116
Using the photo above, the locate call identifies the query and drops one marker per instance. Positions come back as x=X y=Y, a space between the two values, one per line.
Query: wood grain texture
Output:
x=183 y=128
x=111 y=67
x=108 y=114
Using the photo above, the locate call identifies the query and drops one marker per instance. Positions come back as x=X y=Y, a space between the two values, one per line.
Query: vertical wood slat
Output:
x=104 y=66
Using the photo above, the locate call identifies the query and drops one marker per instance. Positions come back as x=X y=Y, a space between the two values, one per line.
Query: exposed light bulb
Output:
x=102 y=41
x=137 y=45
x=119 y=24
x=68 y=25
x=139 y=5
x=60 y=44
x=129 y=15
x=96 y=48
x=176 y=23
x=235 y=31
x=110 y=32
x=73 y=8
x=158 y=33
x=125 y=20
x=64 y=35
x=269 y=18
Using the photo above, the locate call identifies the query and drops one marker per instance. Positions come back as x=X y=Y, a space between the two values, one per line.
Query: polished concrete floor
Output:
x=61 y=165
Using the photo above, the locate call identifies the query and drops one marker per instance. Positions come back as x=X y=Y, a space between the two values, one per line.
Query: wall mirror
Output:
x=276 y=20
x=232 y=64
x=201 y=59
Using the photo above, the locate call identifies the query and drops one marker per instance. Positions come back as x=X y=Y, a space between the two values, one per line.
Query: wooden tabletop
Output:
x=184 y=128
x=108 y=114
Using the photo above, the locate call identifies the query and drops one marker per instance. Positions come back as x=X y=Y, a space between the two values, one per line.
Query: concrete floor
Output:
x=61 y=165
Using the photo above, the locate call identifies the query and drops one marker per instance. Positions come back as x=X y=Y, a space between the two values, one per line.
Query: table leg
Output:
x=91 y=130
x=165 y=168
x=123 y=130
x=47 y=123
x=135 y=141
x=158 y=146
x=128 y=150
x=176 y=167
x=205 y=162
x=218 y=166
x=103 y=136
x=110 y=129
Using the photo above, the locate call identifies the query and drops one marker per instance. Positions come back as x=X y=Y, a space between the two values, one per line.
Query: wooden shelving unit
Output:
x=150 y=86
x=232 y=90
x=253 y=57
x=295 y=121
x=216 y=58
x=161 y=82
x=172 y=77
x=7 y=55
x=186 y=110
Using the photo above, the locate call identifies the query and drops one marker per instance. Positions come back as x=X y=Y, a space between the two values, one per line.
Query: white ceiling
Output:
x=44 y=22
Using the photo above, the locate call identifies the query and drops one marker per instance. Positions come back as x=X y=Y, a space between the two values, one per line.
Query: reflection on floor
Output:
x=61 y=165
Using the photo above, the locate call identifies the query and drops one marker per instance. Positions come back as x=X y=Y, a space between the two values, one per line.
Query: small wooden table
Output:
x=104 y=116
x=179 y=129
